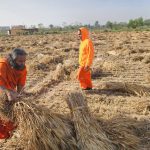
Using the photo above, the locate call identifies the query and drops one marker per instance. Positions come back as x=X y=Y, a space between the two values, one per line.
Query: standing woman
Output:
x=86 y=55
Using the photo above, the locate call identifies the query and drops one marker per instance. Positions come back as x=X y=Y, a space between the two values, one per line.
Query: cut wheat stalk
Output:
x=5 y=107
x=41 y=130
x=90 y=135
x=135 y=89
x=121 y=132
x=51 y=79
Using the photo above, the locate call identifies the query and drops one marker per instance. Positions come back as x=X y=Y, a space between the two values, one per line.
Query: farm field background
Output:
x=120 y=57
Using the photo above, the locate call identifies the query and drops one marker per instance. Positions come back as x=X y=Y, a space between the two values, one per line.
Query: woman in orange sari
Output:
x=86 y=55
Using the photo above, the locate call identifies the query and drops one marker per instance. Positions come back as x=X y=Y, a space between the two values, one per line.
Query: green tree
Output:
x=109 y=24
x=139 y=21
x=51 y=26
x=147 y=22
x=96 y=24
x=136 y=23
x=132 y=24
x=40 y=25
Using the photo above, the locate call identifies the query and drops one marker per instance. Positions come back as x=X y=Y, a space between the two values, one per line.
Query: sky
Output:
x=65 y=12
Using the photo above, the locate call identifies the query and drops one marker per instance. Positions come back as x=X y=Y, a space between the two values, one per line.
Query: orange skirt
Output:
x=84 y=78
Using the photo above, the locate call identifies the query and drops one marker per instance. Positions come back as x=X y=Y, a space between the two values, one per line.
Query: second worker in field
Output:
x=86 y=55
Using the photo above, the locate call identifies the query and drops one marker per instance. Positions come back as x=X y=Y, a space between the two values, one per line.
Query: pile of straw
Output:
x=73 y=75
x=51 y=79
x=121 y=132
x=128 y=88
x=89 y=134
x=5 y=107
x=59 y=73
x=39 y=129
x=112 y=66
x=96 y=72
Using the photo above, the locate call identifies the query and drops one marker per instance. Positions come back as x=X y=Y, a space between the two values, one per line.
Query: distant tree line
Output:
x=138 y=23
x=133 y=24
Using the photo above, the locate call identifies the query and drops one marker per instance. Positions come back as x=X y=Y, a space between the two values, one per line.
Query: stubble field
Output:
x=120 y=72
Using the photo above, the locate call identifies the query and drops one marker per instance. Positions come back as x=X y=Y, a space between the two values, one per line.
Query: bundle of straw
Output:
x=135 y=89
x=89 y=134
x=5 y=106
x=41 y=130
x=121 y=132
x=51 y=79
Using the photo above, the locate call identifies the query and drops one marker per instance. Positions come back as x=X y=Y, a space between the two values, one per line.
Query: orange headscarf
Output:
x=86 y=51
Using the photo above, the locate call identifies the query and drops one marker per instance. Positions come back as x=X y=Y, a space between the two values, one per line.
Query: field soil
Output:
x=120 y=57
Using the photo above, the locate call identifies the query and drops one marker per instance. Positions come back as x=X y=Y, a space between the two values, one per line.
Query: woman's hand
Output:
x=12 y=95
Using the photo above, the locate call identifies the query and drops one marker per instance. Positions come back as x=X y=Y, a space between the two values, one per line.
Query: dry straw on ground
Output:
x=121 y=132
x=38 y=129
x=51 y=79
x=112 y=66
x=90 y=135
x=41 y=130
x=128 y=88
x=5 y=107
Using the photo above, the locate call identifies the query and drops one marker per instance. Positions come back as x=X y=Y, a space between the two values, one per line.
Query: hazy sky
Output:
x=33 y=12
